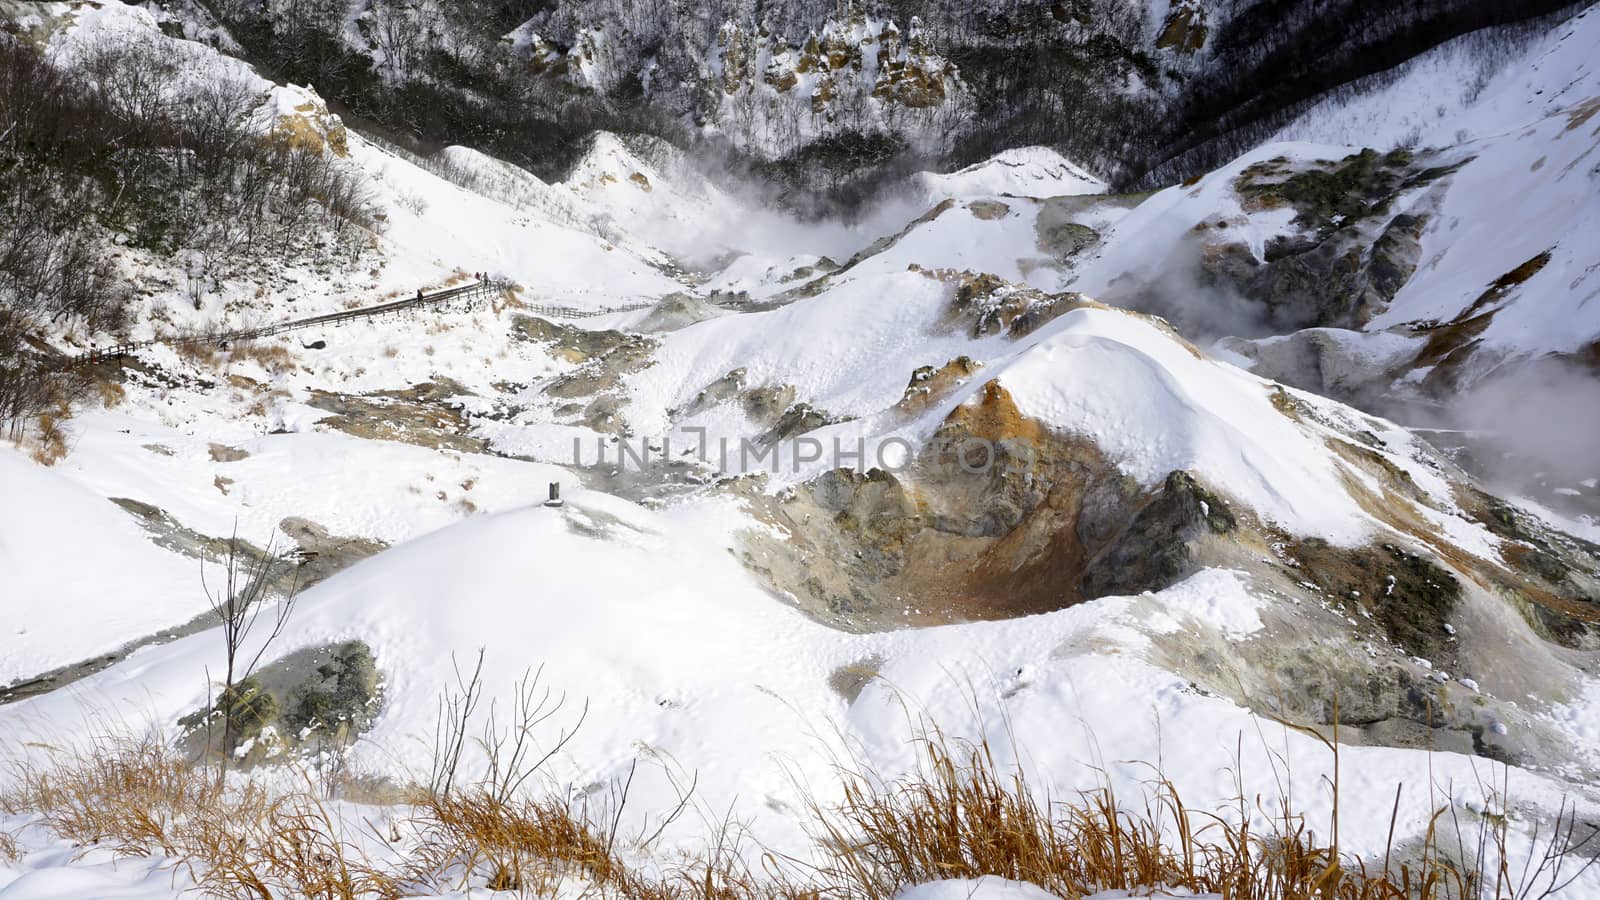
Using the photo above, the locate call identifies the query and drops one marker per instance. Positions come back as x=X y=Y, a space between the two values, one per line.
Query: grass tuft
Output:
x=958 y=814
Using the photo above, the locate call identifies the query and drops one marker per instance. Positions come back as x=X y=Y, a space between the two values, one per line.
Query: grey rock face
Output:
x=306 y=701
x=1155 y=549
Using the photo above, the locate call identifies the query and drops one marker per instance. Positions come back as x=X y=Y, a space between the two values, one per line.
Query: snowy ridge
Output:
x=1022 y=172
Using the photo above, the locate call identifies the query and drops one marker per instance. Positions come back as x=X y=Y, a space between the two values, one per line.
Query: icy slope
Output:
x=436 y=227
x=684 y=662
x=1532 y=185
x=58 y=607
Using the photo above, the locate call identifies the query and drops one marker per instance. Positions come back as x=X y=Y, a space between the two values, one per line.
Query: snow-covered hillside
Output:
x=1117 y=484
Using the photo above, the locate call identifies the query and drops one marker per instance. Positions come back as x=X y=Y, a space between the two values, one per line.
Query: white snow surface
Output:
x=986 y=888
x=1019 y=172
x=65 y=555
x=685 y=660
x=1156 y=406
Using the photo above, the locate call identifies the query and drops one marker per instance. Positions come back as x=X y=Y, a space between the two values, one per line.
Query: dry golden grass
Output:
x=109 y=390
x=509 y=298
x=202 y=353
x=137 y=796
x=274 y=358
x=533 y=847
x=50 y=445
x=521 y=845
x=960 y=814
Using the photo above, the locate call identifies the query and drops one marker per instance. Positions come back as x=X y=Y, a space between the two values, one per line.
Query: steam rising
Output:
x=1534 y=423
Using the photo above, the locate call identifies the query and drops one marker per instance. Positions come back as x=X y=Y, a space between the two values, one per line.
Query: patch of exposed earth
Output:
x=423 y=415
x=1407 y=640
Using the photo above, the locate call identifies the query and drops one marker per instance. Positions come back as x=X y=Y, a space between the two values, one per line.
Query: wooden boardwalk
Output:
x=456 y=299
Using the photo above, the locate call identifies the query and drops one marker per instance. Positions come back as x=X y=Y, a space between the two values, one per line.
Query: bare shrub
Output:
x=51 y=444
x=415 y=204
x=238 y=603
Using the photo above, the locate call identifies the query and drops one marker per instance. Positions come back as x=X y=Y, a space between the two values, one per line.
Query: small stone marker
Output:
x=555 y=494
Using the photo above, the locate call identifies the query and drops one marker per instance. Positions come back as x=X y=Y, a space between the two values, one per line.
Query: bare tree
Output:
x=238 y=604
x=509 y=747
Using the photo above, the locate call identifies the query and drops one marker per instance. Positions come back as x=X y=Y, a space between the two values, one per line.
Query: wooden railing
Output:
x=460 y=298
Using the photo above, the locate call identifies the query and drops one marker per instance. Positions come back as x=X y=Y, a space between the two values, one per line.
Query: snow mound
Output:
x=686 y=662
x=58 y=610
x=1156 y=405
x=1149 y=400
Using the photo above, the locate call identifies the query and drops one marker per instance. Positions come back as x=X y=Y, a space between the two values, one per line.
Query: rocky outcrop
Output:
x=929 y=385
x=771 y=407
x=991 y=305
x=795 y=421
x=321 y=554
x=995 y=517
x=1158 y=545
x=310 y=701
x=575 y=345
x=1348 y=253
x=1406 y=639
x=432 y=423
x=592 y=393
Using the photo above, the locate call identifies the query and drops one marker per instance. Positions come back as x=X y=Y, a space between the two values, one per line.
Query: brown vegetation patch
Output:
x=1582 y=112
x=1502 y=285
x=274 y=358
x=1448 y=346
x=50 y=445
